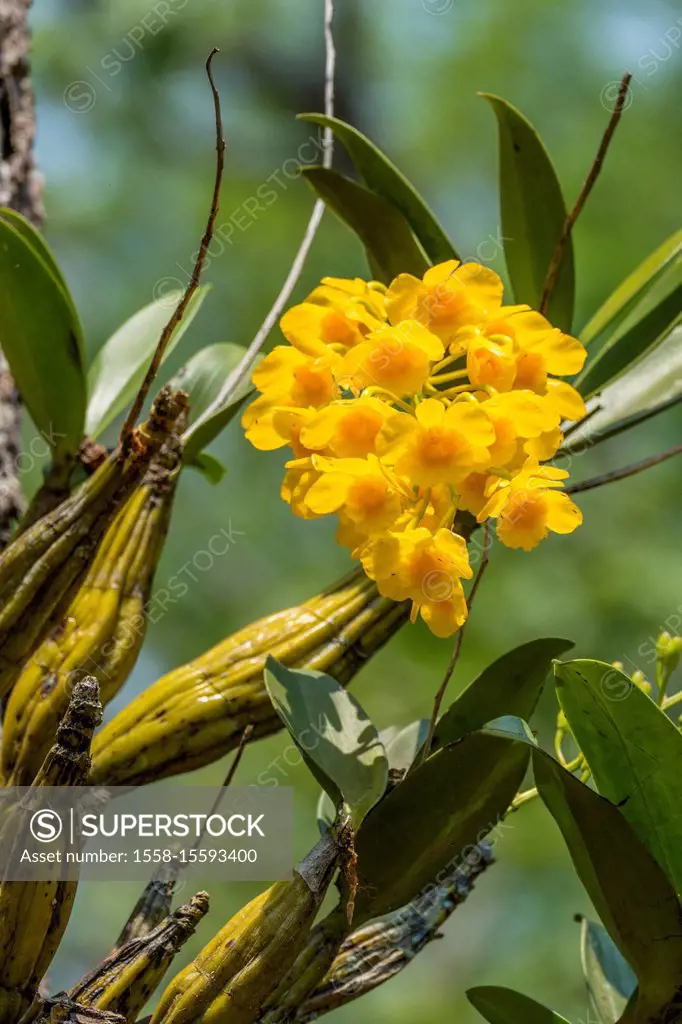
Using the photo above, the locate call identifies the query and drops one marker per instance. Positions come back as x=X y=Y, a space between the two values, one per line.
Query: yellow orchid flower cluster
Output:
x=406 y=404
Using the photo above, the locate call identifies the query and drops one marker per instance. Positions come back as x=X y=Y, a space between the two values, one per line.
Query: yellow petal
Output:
x=483 y=285
x=329 y=493
x=430 y=413
x=435 y=276
x=455 y=549
x=394 y=434
x=445 y=617
x=566 y=400
x=277 y=367
x=563 y=516
x=472 y=420
x=403 y=297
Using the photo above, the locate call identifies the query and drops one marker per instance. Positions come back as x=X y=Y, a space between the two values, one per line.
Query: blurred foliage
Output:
x=125 y=143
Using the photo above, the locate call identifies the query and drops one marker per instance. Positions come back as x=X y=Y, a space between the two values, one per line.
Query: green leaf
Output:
x=634 y=752
x=391 y=247
x=504 y=1006
x=118 y=369
x=649 y=321
x=633 y=897
x=403 y=748
x=649 y=387
x=41 y=338
x=326 y=812
x=211 y=468
x=380 y=175
x=533 y=215
x=34 y=238
x=337 y=739
x=610 y=981
x=631 y=289
x=428 y=822
x=202 y=377
x=509 y=686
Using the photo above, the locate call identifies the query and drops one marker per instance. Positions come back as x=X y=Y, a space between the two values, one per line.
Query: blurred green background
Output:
x=126 y=146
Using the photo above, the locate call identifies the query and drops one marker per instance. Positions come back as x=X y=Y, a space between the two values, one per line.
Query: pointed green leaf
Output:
x=649 y=387
x=649 y=321
x=509 y=686
x=383 y=177
x=634 y=752
x=533 y=215
x=202 y=377
x=119 y=367
x=610 y=981
x=632 y=288
x=326 y=812
x=633 y=897
x=34 y=238
x=432 y=820
x=391 y=247
x=403 y=748
x=41 y=338
x=211 y=468
x=333 y=733
x=504 y=1006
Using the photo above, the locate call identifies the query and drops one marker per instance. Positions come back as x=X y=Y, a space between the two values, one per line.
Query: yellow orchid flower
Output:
x=528 y=506
x=397 y=359
x=425 y=568
x=450 y=296
x=348 y=428
x=360 y=488
x=438 y=444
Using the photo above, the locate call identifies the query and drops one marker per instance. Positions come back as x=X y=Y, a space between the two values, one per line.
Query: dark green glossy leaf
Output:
x=334 y=734
x=202 y=377
x=118 y=369
x=504 y=1006
x=649 y=321
x=533 y=215
x=610 y=981
x=509 y=686
x=430 y=821
x=391 y=247
x=649 y=387
x=380 y=175
x=632 y=288
x=34 y=238
x=633 y=897
x=634 y=752
x=41 y=338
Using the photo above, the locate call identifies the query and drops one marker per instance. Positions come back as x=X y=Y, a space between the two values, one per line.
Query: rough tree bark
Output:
x=20 y=188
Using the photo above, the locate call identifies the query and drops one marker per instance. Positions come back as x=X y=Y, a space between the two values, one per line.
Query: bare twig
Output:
x=454 y=657
x=626 y=471
x=179 y=312
x=229 y=778
x=239 y=374
x=595 y=169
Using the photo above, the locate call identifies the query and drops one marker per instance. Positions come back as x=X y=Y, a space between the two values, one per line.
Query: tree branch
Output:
x=21 y=189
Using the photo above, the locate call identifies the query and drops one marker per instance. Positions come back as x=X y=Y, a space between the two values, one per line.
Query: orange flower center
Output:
x=446 y=302
x=358 y=430
x=526 y=512
x=337 y=329
x=438 y=446
x=368 y=494
x=313 y=385
x=530 y=372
